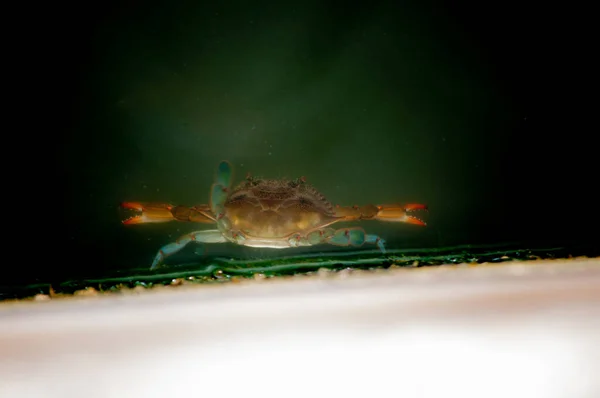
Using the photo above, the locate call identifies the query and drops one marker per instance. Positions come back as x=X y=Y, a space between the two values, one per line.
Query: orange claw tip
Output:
x=132 y=205
x=416 y=206
x=415 y=221
x=133 y=220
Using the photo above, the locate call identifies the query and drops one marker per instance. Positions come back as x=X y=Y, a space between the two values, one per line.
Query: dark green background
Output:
x=466 y=108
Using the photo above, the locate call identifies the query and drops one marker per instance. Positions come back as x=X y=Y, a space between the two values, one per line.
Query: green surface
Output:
x=219 y=269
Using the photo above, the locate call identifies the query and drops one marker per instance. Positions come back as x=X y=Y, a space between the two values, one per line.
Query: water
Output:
x=377 y=103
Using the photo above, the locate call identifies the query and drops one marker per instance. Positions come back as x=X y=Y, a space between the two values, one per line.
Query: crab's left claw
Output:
x=148 y=212
x=401 y=213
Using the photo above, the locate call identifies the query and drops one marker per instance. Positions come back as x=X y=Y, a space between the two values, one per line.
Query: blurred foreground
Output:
x=519 y=329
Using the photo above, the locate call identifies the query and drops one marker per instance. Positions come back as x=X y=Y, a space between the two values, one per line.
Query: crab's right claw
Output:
x=148 y=212
x=401 y=213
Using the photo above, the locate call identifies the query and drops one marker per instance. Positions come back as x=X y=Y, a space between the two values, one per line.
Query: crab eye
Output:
x=297 y=182
x=305 y=203
x=240 y=196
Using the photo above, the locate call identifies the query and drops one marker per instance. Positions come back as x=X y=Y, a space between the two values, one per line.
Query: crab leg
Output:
x=150 y=212
x=208 y=236
x=199 y=213
x=393 y=213
x=218 y=196
x=161 y=212
x=354 y=236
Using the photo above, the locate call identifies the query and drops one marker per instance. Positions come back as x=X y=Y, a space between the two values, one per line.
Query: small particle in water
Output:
x=269 y=153
x=157 y=189
x=145 y=186
x=253 y=127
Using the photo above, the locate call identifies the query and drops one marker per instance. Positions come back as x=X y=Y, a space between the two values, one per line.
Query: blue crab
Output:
x=271 y=214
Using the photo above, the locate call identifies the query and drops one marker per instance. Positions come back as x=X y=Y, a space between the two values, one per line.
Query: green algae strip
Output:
x=220 y=269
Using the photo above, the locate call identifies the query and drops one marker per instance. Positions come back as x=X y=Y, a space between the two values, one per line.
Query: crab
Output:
x=269 y=213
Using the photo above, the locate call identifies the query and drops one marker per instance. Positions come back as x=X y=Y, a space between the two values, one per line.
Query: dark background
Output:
x=480 y=111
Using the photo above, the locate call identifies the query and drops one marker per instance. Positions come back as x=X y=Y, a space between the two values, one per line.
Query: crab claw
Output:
x=415 y=206
x=149 y=212
x=401 y=213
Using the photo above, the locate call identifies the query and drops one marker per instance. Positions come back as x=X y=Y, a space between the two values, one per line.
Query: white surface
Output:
x=502 y=331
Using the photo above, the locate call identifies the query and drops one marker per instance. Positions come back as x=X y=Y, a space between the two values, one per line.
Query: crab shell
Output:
x=271 y=210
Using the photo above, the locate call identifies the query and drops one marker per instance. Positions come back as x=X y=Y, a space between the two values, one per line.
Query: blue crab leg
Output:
x=354 y=236
x=375 y=240
x=220 y=188
x=218 y=196
x=208 y=236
